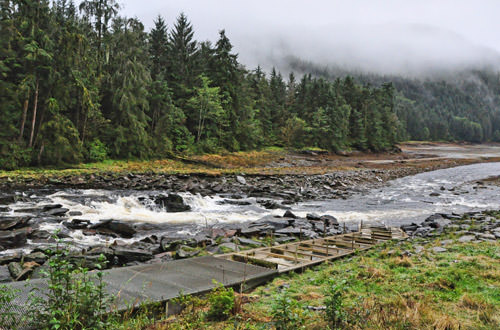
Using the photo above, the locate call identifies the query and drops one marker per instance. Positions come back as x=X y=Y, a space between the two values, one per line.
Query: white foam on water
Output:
x=204 y=210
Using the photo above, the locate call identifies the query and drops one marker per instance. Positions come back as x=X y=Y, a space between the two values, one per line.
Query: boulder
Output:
x=170 y=243
x=486 y=236
x=236 y=202
x=290 y=231
x=249 y=242
x=438 y=249
x=184 y=251
x=13 y=238
x=7 y=223
x=15 y=269
x=75 y=213
x=37 y=257
x=49 y=207
x=289 y=214
x=77 y=224
x=126 y=255
x=5 y=260
x=313 y=216
x=40 y=235
x=172 y=202
x=409 y=228
x=275 y=223
x=466 y=238
x=256 y=230
x=330 y=220
x=11 y=199
x=5 y=274
x=269 y=204
x=436 y=221
x=29 y=210
x=241 y=179
x=110 y=227
x=57 y=212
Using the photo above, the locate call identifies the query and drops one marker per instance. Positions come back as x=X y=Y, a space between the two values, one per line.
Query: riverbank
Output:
x=445 y=278
x=273 y=173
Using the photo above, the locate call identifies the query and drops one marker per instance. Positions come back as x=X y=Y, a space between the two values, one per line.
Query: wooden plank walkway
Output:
x=288 y=257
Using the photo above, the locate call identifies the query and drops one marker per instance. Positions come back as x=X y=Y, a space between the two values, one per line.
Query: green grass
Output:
x=389 y=287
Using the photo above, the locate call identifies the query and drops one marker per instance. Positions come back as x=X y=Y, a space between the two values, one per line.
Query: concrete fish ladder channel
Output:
x=162 y=282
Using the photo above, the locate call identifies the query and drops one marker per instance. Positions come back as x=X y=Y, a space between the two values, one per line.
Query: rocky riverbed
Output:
x=156 y=246
x=135 y=217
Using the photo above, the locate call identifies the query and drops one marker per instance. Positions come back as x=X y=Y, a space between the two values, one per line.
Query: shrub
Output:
x=97 y=151
x=222 y=303
x=287 y=312
x=75 y=299
x=335 y=314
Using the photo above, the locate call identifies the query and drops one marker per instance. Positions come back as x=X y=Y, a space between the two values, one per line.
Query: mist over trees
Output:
x=448 y=106
x=82 y=83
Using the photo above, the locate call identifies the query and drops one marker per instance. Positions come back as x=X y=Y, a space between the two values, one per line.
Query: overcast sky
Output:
x=378 y=35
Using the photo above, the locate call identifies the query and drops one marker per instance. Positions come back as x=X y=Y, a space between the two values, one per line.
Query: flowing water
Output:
x=401 y=201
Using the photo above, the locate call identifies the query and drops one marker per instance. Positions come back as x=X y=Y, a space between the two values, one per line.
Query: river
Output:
x=401 y=201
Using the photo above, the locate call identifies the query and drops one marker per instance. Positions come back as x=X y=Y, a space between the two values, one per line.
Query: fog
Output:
x=390 y=36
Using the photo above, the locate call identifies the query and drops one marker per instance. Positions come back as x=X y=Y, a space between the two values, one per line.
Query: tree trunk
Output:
x=33 y=121
x=39 y=158
x=23 y=120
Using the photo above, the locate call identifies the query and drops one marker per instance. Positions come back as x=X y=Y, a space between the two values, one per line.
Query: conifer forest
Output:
x=81 y=83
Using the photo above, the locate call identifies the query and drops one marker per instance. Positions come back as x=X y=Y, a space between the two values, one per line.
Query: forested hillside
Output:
x=84 y=83
x=462 y=105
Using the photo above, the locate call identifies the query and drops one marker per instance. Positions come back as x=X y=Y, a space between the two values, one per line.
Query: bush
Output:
x=222 y=303
x=287 y=312
x=335 y=314
x=75 y=299
x=97 y=151
x=13 y=156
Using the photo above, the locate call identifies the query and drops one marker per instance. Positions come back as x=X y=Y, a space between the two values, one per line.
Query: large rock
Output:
x=37 y=257
x=7 y=223
x=329 y=220
x=110 y=227
x=49 y=207
x=290 y=231
x=276 y=223
x=172 y=202
x=126 y=255
x=183 y=252
x=289 y=214
x=170 y=243
x=57 y=212
x=5 y=274
x=466 y=238
x=436 y=221
x=77 y=224
x=13 y=238
x=249 y=242
x=15 y=269
x=41 y=236
x=11 y=199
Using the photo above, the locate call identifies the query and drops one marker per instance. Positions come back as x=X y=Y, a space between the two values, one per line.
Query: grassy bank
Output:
x=271 y=161
x=406 y=285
